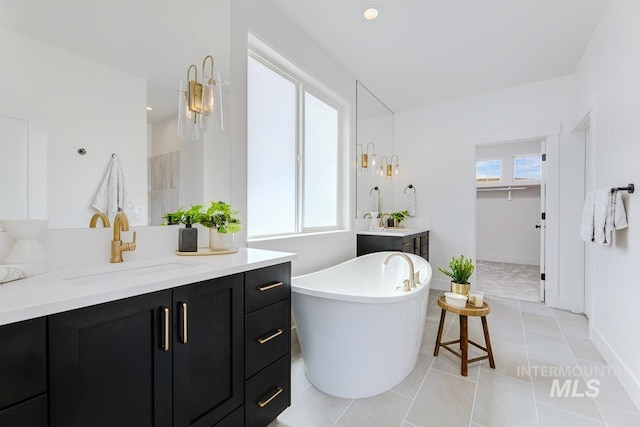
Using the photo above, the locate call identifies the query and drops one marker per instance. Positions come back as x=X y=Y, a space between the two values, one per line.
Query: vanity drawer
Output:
x=268 y=394
x=23 y=361
x=265 y=286
x=267 y=336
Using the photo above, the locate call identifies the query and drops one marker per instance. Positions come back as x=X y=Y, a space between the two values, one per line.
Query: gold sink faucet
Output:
x=99 y=216
x=121 y=223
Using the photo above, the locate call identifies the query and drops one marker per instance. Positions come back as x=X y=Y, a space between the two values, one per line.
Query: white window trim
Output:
x=267 y=56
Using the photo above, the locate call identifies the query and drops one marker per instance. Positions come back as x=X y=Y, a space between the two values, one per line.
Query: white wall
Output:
x=73 y=96
x=608 y=80
x=437 y=145
x=505 y=229
x=269 y=25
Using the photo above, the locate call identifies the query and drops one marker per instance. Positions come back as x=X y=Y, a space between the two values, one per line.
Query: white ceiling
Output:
x=153 y=39
x=418 y=52
x=421 y=52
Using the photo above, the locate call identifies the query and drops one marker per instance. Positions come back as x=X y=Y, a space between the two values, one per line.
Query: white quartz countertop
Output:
x=64 y=290
x=395 y=232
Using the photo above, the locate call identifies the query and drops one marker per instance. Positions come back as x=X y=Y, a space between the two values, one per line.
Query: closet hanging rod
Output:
x=630 y=188
x=501 y=189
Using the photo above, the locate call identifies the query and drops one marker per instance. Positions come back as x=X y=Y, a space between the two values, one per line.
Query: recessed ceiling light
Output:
x=149 y=108
x=372 y=12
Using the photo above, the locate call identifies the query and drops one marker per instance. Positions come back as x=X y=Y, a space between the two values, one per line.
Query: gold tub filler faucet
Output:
x=121 y=223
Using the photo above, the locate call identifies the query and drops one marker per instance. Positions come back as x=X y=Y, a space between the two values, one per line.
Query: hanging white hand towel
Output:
x=374 y=201
x=410 y=202
x=586 y=226
x=602 y=202
x=617 y=217
x=113 y=194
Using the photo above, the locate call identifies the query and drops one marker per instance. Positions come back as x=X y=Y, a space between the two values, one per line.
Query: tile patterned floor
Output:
x=501 y=279
x=524 y=335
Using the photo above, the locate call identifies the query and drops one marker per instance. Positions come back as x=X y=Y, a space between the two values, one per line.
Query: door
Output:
x=208 y=350
x=543 y=210
x=589 y=248
x=110 y=364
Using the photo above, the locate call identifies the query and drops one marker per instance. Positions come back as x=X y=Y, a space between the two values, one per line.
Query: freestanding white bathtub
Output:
x=359 y=332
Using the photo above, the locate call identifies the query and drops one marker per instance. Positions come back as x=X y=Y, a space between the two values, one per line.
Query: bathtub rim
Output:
x=398 y=296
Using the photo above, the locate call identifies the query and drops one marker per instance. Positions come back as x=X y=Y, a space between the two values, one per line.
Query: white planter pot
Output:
x=220 y=241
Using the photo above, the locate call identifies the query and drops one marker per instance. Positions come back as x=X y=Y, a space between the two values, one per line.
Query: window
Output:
x=488 y=170
x=527 y=168
x=293 y=146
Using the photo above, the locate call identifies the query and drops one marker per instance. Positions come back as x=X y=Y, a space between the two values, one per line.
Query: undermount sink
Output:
x=126 y=273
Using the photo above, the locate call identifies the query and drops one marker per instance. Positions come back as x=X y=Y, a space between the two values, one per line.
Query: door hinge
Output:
x=543 y=215
x=544 y=157
x=542 y=276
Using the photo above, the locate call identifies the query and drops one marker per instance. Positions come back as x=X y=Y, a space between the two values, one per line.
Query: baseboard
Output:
x=564 y=303
x=628 y=380
x=508 y=259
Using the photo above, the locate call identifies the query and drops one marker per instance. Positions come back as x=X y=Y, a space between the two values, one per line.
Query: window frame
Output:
x=304 y=84
x=524 y=156
x=487 y=182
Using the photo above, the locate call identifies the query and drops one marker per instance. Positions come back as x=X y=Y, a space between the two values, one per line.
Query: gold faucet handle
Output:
x=132 y=245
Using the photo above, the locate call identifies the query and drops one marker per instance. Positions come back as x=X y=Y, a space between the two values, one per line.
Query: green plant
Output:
x=399 y=216
x=460 y=269
x=218 y=215
x=174 y=217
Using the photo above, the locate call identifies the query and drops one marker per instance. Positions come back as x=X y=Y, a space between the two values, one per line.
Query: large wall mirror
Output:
x=75 y=83
x=374 y=147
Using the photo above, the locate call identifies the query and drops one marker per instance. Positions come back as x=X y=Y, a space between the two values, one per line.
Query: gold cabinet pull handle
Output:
x=166 y=326
x=183 y=308
x=270 y=337
x=271 y=286
x=263 y=403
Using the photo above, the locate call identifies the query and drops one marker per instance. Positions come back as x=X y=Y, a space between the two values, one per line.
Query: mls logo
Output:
x=570 y=388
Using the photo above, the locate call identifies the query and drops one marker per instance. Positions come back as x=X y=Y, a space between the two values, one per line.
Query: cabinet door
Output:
x=208 y=351
x=23 y=361
x=109 y=364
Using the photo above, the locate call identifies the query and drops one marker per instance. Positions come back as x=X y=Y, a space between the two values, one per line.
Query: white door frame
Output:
x=582 y=266
x=550 y=133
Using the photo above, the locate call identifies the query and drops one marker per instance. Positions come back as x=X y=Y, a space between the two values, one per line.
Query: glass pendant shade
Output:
x=187 y=120
x=207 y=120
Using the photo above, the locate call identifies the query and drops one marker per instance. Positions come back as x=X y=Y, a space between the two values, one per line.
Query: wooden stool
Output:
x=464 y=337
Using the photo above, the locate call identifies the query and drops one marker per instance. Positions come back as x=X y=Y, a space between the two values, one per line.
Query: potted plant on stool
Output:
x=460 y=270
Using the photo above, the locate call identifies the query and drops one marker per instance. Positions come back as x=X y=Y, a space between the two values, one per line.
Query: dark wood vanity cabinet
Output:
x=164 y=359
x=109 y=364
x=415 y=243
x=267 y=343
x=23 y=373
x=213 y=353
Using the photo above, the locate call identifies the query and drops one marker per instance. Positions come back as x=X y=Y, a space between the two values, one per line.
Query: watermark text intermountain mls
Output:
x=570 y=381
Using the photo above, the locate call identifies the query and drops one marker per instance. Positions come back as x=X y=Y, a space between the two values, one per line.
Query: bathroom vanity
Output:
x=411 y=240
x=203 y=344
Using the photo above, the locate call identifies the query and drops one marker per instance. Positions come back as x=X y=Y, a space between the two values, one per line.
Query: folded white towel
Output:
x=588 y=214
x=113 y=194
x=12 y=272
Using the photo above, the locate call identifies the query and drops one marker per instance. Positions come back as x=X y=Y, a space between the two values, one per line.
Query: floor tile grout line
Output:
x=575 y=360
x=413 y=401
x=344 y=412
x=526 y=352
x=572 y=413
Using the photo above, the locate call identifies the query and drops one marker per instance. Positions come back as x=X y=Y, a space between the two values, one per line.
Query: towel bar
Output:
x=630 y=188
